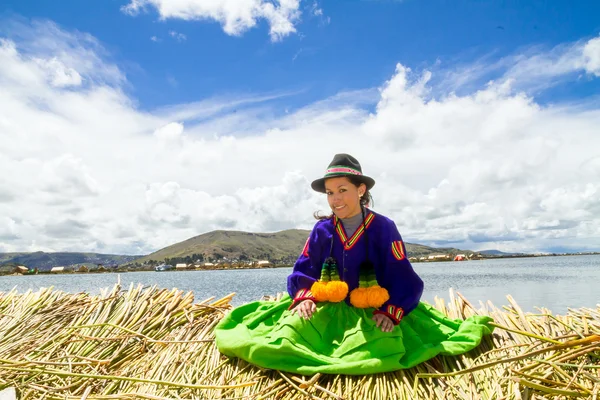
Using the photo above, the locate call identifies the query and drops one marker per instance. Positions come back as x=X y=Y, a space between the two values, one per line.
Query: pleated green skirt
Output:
x=340 y=339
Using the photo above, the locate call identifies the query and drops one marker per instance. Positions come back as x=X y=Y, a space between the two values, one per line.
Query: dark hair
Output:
x=366 y=200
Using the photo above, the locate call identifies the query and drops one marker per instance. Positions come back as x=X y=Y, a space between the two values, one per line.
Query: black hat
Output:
x=343 y=165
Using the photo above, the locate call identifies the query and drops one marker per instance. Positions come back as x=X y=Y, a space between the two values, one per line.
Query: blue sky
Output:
x=131 y=125
x=351 y=45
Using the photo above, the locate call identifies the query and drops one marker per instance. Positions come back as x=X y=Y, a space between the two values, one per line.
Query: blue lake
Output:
x=556 y=283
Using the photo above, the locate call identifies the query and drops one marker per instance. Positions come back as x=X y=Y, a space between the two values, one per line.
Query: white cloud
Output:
x=170 y=132
x=180 y=37
x=539 y=70
x=317 y=11
x=67 y=175
x=57 y=52
x=8 y=229
x=492 y=168
x=236 y=16
x=535 y=69
x=58 y=73
x=591 y=56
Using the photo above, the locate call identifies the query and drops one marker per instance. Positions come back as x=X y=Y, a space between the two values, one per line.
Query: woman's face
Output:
x=343 y=197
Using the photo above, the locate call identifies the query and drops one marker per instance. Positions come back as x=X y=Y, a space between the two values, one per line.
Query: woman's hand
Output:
x=384 y=322
x=305 y=308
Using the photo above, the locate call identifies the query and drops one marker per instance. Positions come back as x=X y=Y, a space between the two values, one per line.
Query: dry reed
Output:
x=151 y=343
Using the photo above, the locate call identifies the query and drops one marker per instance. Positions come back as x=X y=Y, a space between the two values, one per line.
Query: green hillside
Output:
x=419 y=250
x=284 y=246
x=6 y=257
x=45 y=261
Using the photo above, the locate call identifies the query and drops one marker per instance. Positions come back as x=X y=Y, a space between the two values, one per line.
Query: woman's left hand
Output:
x=384 y=322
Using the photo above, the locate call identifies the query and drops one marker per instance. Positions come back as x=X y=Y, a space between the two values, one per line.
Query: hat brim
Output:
x=319 y=184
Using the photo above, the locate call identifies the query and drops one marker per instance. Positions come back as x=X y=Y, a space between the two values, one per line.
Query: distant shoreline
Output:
x=125 y=269
x=140 y=269
x=492 y=257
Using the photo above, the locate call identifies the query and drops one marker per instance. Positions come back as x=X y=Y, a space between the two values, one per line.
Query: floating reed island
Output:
x=152 y=343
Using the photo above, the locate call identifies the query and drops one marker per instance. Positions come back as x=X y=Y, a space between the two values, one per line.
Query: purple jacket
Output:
x=386 y=251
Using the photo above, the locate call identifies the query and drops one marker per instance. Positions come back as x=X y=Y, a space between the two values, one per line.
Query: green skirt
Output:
x=340 y=339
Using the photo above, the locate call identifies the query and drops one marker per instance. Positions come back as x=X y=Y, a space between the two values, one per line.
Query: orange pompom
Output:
x=337 y=291
x=319 y=291
x=377 y=296
x=359 y=298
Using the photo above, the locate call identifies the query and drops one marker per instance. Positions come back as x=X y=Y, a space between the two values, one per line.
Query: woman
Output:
x=354 y=299
x=369 y=245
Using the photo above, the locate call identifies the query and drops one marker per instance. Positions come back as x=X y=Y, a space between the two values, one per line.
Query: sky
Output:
x=130 y=125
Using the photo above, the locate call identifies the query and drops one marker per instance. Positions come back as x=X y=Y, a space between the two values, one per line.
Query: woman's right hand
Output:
x=306 y=309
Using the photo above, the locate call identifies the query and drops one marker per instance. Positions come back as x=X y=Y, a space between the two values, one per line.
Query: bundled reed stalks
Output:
x=151 y=343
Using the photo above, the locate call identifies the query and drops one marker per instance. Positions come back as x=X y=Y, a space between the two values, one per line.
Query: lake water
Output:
x=555 y=283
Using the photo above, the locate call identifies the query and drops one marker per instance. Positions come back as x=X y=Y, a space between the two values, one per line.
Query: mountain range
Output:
x=499 y=253
x=45 y=260
x=280 y=247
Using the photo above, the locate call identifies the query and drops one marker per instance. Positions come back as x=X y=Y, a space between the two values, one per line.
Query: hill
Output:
x=280 y=247
x=498 y=253
x=419 y=250
x=43 y=260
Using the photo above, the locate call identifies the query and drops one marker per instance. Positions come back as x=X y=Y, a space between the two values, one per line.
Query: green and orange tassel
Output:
x=368 y=294
x=329 y=287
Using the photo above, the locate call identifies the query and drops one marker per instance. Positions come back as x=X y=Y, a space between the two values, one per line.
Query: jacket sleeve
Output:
x=307 y=268
x=403 y=284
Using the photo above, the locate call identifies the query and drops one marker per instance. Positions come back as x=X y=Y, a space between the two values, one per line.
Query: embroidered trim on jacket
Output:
x=398 y=250
x=303 y=294
x=395 y=313
x=305 y=250
x=349 y=243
